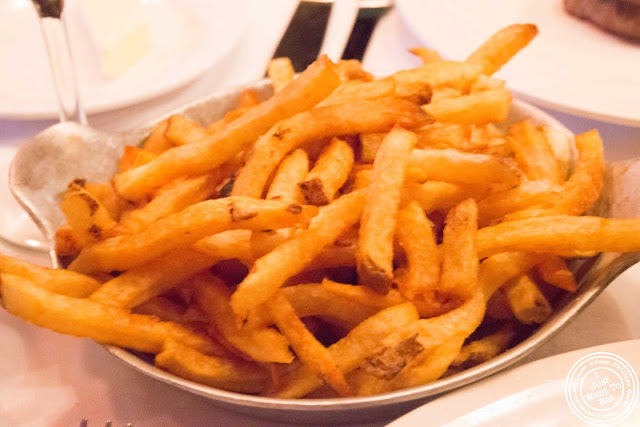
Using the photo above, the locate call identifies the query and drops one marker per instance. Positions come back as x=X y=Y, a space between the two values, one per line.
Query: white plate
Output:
x=570 y=66
x=527 y=396
x=188 y=37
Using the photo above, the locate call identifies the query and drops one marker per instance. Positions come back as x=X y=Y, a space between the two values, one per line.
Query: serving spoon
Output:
x=46 y=163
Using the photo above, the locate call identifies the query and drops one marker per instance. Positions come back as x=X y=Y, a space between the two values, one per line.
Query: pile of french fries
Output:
x=348 y=236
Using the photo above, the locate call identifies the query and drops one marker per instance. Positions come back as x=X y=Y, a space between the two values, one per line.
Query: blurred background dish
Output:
x=184 y=38
x=572 y=66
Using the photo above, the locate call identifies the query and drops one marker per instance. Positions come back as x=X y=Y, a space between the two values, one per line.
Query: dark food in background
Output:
x=619 y=17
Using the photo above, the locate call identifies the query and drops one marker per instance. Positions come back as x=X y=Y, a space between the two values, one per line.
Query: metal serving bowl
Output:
x=46 y=163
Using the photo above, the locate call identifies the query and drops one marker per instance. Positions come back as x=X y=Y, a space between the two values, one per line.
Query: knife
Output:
x=303 y=40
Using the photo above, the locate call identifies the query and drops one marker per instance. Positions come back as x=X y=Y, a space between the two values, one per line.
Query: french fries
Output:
x=404 y=236
x=374 y=255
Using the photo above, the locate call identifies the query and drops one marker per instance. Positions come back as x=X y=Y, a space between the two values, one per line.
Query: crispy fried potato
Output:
x=291 y=172
x=477 y=108
x=186 y=227
x=361 y=342
x=458 y=75
x=439 y=196
x=170 y=199
x=156 y=143
x=309 y=350
x=236 y=375
x=289 y=258
x=374 y=253
x=426 y=55
x=65 y=242
x=182 y=131
x=450 y=165
x=84 y=318
x=88 y=218
x=496 y=270
x=61 y=282
x=281 y=73
x=328 y=174
x=561 y=235
x=322 y=122
x=553 y=270
x=499 y=204
x=533 y=153
x=261 y=344
x=486 y=348
x=248 y=98
x=313 y=85
x=415 y=235
x=527 y=302
x=459 y=257
x=134 y=157
x=315 y=299
x=502 y=46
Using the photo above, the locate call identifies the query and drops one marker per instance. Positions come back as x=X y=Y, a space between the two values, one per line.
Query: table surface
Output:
x=48 y=379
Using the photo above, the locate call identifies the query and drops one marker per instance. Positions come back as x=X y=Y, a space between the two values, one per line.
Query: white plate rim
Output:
x=204 y=59
x=411 y=13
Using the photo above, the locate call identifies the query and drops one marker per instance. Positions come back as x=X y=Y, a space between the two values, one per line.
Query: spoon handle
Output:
x=63 y=70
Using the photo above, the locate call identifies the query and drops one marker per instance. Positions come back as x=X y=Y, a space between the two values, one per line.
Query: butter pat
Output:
x=119 y=33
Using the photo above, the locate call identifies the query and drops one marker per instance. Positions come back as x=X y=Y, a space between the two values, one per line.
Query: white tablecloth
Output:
x=47 y=379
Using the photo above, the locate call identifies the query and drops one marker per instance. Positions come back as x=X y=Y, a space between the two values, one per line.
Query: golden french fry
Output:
x=292 y=171
x=61 y=282
x=502 y=46
x=476 y=108
x=361 y=116
x=314 y=299
x=415 y=234
x=84 y=318
x=88 y=218
x=374 y=254
x=156 y=143
x=147 y=281
x=533 y=153
x=583 y=187
x=248 y=98
x=486 y=348
x=66 y=243
x=281 y=73
x=560 y=143
x=415 y=91
x=349 y=352
x=170 y=199
x=459 y=257
x=261 y=344
x=527 y=302
x=163 y=308
x=426 y=55
x=498 y=307
x=107 y=196
x=236 y=375
x=329 y=173
x=289 y=258
x=450 y=165
x=313 y=85
x=370 y=143
x=445 y=92
x=458 y=75
x=439 y=196
x=485 y=82
x=182 y=131
x=186 y=227
x=529 y=193
x=309 y=350
x=498 y=269
x=363 y=179
x=351 y=69
x=553 y=270
x=561 y=235
x=134 y=157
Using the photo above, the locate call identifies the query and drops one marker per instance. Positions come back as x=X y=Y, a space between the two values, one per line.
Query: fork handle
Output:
x=63 y=71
